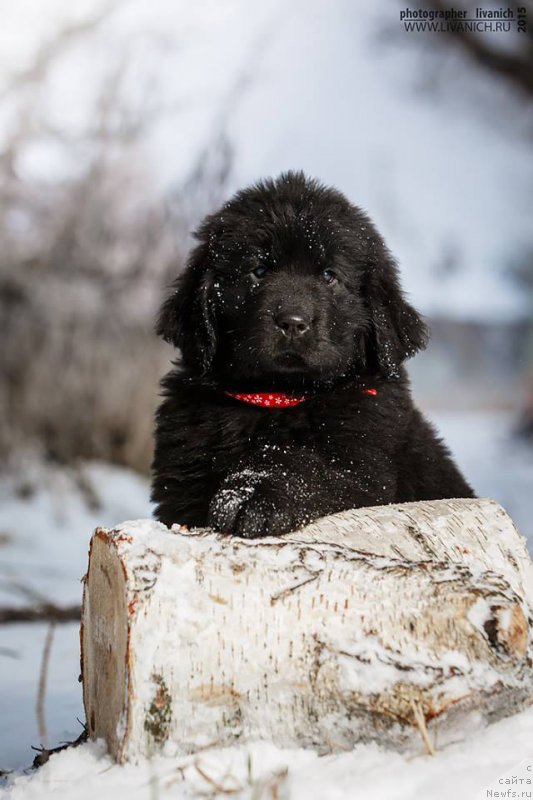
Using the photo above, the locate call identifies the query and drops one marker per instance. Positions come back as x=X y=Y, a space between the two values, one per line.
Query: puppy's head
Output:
x=290 y=284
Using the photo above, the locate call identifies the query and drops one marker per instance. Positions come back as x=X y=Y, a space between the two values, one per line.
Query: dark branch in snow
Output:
x=43 y=753
x=47 y=612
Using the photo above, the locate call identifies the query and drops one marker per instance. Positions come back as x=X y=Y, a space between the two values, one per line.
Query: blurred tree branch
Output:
x=87 y=250
x=514 y=66
x=54 y=47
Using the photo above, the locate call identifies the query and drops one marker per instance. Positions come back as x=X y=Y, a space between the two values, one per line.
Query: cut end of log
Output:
x=105 y=653
x=380 y=624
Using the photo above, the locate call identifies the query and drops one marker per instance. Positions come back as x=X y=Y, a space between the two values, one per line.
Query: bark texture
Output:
x=394 y=624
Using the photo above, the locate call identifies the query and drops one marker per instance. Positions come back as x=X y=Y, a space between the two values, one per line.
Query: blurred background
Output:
x=121 y=124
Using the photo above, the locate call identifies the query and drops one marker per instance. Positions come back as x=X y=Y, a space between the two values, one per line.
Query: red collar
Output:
x=279 y=399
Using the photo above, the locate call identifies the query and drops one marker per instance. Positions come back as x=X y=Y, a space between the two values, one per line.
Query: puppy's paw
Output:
x=250 y=506
x=226 y=506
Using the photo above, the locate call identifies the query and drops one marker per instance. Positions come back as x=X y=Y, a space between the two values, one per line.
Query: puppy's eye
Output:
x=260 y=272
x=329 y=276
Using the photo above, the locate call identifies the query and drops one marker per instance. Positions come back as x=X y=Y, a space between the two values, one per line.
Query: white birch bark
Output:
x=371 y=624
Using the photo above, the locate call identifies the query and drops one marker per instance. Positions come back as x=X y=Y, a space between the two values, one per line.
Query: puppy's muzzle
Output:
x=292 y=324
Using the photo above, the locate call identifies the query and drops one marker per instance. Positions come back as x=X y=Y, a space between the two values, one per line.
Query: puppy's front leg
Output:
x=278 y=493
x=257 y=502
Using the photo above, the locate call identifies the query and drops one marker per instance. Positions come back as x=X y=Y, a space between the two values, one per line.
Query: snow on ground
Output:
x=46 y=518
x=45 y=524
x=262 y=771
x=21 y=649
x=495 y=461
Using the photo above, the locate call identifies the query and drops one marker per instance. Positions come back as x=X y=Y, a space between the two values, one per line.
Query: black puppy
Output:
x=290 y=402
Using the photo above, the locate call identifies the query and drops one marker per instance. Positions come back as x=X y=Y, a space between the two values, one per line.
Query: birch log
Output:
x=373 y=624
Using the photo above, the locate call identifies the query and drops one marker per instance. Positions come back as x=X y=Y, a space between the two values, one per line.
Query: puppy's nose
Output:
x=291 y=323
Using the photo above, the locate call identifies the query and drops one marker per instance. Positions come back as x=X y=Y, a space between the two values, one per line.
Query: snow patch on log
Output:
x=347 y=630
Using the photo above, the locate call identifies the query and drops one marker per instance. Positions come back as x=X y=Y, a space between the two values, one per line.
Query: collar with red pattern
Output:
x=280 y=399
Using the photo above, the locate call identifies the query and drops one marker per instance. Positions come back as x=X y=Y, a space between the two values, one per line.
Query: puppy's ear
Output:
x=397 y=331
x=187 y=318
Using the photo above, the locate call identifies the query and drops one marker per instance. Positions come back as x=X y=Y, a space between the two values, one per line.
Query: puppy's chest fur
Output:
x=253 y=470
x=343 y=426
x=335 y=426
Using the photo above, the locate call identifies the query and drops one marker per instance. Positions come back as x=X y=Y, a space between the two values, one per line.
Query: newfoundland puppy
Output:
x=290 y=401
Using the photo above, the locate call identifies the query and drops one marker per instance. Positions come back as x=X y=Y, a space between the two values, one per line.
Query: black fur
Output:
x=253 y=471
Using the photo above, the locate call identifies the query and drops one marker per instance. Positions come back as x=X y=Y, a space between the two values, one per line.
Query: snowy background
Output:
x=121 y=124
